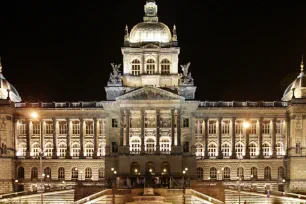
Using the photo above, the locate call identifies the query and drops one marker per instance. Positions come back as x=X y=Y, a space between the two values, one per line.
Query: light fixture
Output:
x=112 y=169
x=184 y=172
x=16 y=181
x=34 y=115
x=246 y=125
x=115 y=172
x=165 y=170
x=150 y=170
x=136 y=170
x=186 y=169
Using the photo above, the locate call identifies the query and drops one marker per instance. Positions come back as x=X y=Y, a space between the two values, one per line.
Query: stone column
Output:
x=28 y=152
x=68 y=152
x=247 y=143
x=206 y=139
x=142 y=131
x=260 y=139
x=157 y=131
x=220 y=155
x=127 y=128
x=82 y=139
x=96 y=143
x=178 y=128
x=172 y=126
x=121 y=126
x=287 y=141
x=41 y=135
x=234 y=155
x=54 y=153
x=274 y=138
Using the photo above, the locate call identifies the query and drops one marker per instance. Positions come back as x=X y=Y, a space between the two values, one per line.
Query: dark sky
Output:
x=55 y=50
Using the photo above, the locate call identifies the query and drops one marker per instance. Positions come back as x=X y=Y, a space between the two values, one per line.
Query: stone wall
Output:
x=7 y=175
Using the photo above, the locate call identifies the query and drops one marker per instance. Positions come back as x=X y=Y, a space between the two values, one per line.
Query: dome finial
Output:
x=0 y=66
x=302 y=64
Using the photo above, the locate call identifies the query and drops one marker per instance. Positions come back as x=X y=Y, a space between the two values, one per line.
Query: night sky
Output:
x=55 y=50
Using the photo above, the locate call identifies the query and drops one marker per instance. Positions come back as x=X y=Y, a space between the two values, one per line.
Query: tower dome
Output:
x=297 y=89
x=6 y=88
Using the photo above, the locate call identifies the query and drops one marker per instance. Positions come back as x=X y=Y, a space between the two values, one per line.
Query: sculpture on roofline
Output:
x=186 y=78
x=115 y=78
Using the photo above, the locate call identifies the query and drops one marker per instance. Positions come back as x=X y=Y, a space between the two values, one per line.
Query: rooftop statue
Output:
x=186 y=78
x=115 y=77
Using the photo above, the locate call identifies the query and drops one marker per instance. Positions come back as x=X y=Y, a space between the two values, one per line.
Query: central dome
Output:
x=150 y=32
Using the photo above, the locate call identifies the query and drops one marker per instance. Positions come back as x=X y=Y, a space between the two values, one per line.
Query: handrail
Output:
x=93 y=196
x=211 y=199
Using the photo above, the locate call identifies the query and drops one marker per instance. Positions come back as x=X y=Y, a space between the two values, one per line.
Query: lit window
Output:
x=212 y=128
x=74 y=173
x=266 y=127
x=62 y=128
x=89 y=149
x=226 y=127
x=279 y=127
x=253 y=129
x=101 y=150
x=239 y=150
x=135 y=146
x=150 y=145
x=225 y=150
x=165 y=145
x=75 y=150
x=227 y=173
x=240 y=173
x=212 y=150
x=253 y=149
x=136 y=67
x=36 y=128
x=213 y=173
x=49 y=128
x=279 y=149
x=48 y=149
x=89 y=128
x=62 y=150
x=199 y=125
x=165 y=67
x=238 y=127
x=22 y=129
x=22 y=150
x=199 y=150
x=102 y=127
x=266 y=149
x=150 y=67
x=88 y=173
x=61 y=173
x=75 y=128
x=35 y=150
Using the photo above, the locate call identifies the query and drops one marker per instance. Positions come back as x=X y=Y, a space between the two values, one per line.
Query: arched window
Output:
x=212 y=150
x=240 y=173
x=88 y=173
x=62 y=149
x=136 y=67
x=226 y=150
x=150 y=145
x=279 y=149
x=199 y=150
x=254 y=174
x=150 y=167
x=61 y=173
x=34 y=173
x=227 y=173
x=101 y=173
x=266 y=149
x=213 y=173
x=281 y=173
x=165 y=67
x=135 y=168
x=48 y=149
x=135 y=146
x=165 y=168
x=89 y=149
x=47 y=173
x=22 y=149
x=200 y=173
x=239 y=150
x=74 y=173
x=253 y=149
x=35 y=150
x=165 y=146
x=267 y=174
x=101 y=150
x=20 y=173
x=75 y=150
x=150 y=67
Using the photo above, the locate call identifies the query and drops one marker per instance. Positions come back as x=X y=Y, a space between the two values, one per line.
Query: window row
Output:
x=75 y=173
x=150 y=145
x=36 y=128
x=240 y=149
x=226 y=126
x=225 y=173
x=150 y=167
x=151 y=67
x=62 y=149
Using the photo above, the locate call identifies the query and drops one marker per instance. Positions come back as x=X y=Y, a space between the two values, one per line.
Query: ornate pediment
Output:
x=150 y=45
x=150 y=93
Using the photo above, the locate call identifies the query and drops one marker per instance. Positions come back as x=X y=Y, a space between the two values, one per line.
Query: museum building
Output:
x=151 y=123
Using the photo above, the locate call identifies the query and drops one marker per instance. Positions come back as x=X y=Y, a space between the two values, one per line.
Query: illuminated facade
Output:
x=151 y=122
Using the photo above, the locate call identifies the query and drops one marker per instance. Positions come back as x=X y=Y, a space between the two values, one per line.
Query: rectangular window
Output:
x=75 y=128
x=49 y=128
x=186 y=122
x=266 y=127
x=253 y=129
x=89 y=128
x=102 y=127
x=212 y=128
x=114 y=123
x=22 y=129
x=238 y=127
x=226 y=127
x=62 y=128
x=36 y=128
x=279 y=127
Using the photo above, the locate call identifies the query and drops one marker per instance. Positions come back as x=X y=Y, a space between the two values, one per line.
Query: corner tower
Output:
x=151 y=58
